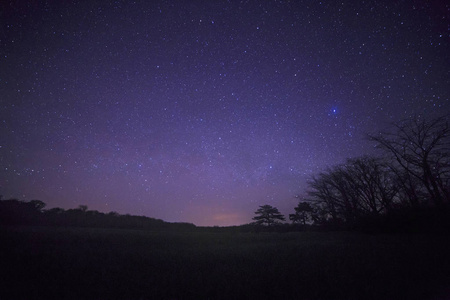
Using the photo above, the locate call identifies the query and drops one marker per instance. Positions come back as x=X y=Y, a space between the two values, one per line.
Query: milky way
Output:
x=200 y=111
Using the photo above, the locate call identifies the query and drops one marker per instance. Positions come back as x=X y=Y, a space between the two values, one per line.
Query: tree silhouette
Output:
x=37 y=205
x=268 y=215
x=83 y=208
x=13 y=212
x=361 y=187
x=420 y=151
x=302 y=213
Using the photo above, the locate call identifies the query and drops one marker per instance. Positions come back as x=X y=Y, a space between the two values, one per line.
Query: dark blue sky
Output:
x=200 y=111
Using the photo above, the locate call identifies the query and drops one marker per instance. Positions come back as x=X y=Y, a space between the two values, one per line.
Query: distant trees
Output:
x=15 y=212
x=82 y=208
x=37 y=205
x=268 y=215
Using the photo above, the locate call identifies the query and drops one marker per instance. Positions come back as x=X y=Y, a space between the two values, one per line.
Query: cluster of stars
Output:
x=189 y=112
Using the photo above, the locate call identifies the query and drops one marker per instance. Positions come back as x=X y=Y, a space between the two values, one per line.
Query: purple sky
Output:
x=200 y=111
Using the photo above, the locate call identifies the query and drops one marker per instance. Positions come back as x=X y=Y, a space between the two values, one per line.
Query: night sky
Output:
x=200 y=111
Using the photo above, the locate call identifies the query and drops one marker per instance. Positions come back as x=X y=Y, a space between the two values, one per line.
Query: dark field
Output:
x=74 y=263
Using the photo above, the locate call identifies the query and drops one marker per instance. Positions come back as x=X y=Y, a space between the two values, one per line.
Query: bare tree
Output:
x=420 y=150
x=372 y=184
x=362 y=186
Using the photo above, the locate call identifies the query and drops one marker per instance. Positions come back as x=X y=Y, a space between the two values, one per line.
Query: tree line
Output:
x=15 y=212
x=407 y=188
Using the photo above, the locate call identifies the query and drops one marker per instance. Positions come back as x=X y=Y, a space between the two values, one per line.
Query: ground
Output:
x=83 y=263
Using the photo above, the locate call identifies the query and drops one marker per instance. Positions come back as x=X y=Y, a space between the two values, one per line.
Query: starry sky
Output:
x=200 y=111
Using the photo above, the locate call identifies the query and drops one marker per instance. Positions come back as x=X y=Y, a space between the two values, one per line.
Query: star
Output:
x=158 y=109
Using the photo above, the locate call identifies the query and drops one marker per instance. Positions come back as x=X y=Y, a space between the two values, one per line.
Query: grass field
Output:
x=76 y=263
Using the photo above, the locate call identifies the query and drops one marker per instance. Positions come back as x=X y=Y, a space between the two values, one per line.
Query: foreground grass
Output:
x=59 y=263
